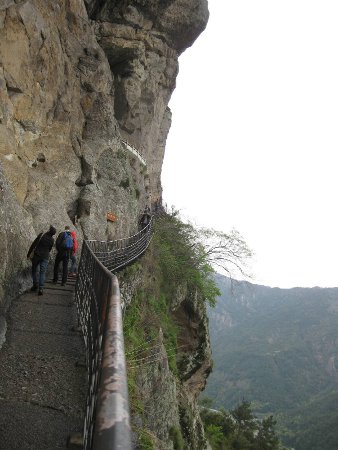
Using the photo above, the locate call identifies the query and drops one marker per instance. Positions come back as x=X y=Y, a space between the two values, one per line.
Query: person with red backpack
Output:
x=64 y=246
x=73 y=262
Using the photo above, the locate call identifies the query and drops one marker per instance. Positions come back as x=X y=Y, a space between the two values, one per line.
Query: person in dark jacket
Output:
x=40 y=250
x=145 y=218
x=63 y=254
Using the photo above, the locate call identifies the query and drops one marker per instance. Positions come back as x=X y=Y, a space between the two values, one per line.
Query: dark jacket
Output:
x=145 y=219
x=42 y=246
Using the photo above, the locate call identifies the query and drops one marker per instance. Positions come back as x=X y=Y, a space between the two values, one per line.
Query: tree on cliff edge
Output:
x=239 y=429
x=190 y=255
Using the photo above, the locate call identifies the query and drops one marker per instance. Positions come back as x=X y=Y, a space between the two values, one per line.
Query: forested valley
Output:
x=277 y=349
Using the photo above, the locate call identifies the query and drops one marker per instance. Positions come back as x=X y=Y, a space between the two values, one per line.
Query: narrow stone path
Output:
x=42 y=373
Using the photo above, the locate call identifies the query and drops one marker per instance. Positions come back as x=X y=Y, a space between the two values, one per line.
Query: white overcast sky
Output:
x=253 y=143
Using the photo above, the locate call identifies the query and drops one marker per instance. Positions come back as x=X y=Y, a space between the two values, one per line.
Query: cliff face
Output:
x=78 y=78
x=75 y=79
x=168 y=356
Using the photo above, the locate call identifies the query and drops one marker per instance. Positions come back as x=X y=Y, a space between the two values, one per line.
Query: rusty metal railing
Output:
x=106 y=424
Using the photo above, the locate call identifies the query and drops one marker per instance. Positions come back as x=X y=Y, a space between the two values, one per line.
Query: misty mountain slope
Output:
x=277 y=348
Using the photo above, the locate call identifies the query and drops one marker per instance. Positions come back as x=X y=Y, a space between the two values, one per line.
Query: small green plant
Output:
x=132 y=161
x=130 y=271
x=134 y=339
x=176 y=437
x=143 y=169
x=125 y=183
x=121 y=154
x=215 y=436
x=132 y=324
x=160 y=308
x=137 y=193
x=145 y=441
x=143 y=318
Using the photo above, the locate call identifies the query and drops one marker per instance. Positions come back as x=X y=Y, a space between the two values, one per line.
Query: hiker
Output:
x=73 y=265
x=145 y=218
x=39 y=253
x=158 y=207
x=64 y=246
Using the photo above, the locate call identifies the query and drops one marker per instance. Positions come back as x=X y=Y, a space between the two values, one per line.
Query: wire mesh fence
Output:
x=115 y=255
x=97 y=295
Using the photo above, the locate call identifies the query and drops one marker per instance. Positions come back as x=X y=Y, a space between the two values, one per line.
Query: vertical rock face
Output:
x=166 y=374
x=76 y=79
x=82 y=82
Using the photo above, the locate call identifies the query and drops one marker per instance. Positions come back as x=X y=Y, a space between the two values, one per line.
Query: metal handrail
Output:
x=97 y=296
x=135 y=152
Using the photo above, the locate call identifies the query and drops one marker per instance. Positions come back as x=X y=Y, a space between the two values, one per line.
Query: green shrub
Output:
x=159 y=306
x=182 y=258
x=125 y=183
x=176 y=437
x=239 y=429
x=215 y=436
x=121 y=154
x=145 y=441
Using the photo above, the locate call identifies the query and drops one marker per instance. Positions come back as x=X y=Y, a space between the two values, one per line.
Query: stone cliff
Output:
x=79 y=79
x=168 y=354
x=76 y=79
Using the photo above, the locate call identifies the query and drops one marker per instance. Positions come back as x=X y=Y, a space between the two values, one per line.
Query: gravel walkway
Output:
x=42 y=374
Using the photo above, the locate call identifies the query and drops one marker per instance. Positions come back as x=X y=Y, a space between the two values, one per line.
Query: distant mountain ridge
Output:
x=277 y=348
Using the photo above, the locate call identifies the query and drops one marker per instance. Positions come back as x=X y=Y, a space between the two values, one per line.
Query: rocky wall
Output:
x=164 y=394
x=76 y=79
